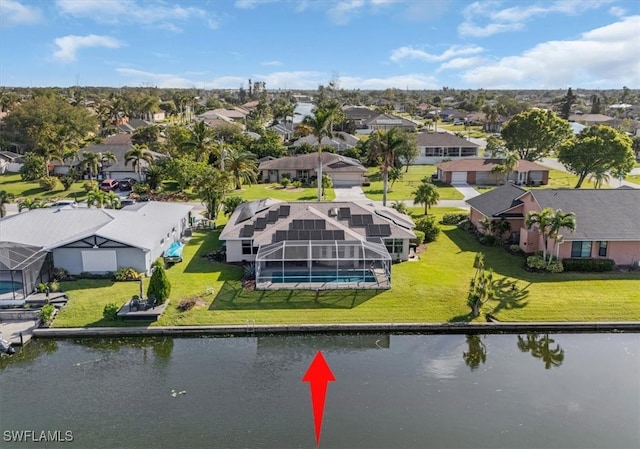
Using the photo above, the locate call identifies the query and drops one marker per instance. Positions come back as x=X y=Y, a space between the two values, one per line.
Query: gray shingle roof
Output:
x=442 y=140
x=497 y=200
x=310 y=162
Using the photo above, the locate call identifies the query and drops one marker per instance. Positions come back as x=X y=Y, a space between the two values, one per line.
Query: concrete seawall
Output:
x=251 y=329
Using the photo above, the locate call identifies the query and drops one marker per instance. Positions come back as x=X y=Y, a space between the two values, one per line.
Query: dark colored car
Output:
x=126 y=184
x=108 y=184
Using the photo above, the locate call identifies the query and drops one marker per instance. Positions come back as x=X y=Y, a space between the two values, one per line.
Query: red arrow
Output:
x=318 y=375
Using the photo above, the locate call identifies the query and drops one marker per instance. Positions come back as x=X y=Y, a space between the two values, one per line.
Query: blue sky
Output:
x=365 y=44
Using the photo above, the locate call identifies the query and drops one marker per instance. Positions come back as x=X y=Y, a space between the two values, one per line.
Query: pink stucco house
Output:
x=607 y=220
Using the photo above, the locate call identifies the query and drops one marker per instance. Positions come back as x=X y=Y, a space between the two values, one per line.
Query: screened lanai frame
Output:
x=23 y=268
x=312 y=264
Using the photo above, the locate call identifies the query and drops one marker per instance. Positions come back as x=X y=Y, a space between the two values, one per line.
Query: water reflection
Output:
x=476 y=352
x=540 y=347
x=34 y=351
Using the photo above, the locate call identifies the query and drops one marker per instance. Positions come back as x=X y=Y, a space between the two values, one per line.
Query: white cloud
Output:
x=249 y=4
x=342 y=12
x=155 y=13
x=15 y=13
x=408 y=81
x=271 y=63
x=409 y=52
x=616 y=11
x=140 y=77
x=599 y=57
x=68 y=46
x=461 y=63
x=514 y=18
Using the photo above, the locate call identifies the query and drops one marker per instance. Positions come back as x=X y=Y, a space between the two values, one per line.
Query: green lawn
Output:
x=433 y=289
x=12 y=183
x=274 y=190
x=403 y=189
x=633 y=178
x=562 y=180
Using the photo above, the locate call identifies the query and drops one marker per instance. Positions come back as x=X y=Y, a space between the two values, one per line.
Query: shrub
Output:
x=46 y=313
x=67 y=181
x=126 y=274
x=50 y=183
x=159 y=285
x=88 y=186
x=285 y=182
x=536 y=262
x=454 y=218
x=297 y=184
x=250 y=271
x=42 y=287
x=187 y=303
x=419 y=237
x=110 y=312
x=141 y=188
x=429 y=227
x=54 y=286
x=488 y=240
x=593 y=265
x=88 y=275
x=555 y=267
x=515 y=249
x=60 y=274
x=400 y=207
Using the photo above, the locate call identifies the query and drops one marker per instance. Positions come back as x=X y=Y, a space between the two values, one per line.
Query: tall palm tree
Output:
x=383 y=145
x=542 y=221
x=92 y=161
x=599 y=177
x=136 y=155
x=560 y=220
x=5 y=198
x=510 y=163
x=427 y=194
x=242 y=164
x=320 y=126
x=200 y=142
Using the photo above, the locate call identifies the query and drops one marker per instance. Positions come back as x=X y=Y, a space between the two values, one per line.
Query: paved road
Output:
x=553 y=163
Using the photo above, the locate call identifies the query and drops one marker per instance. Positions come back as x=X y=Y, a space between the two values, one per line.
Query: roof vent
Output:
x=333 y=212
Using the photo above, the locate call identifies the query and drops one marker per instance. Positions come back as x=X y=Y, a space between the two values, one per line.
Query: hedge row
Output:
x=588 y=264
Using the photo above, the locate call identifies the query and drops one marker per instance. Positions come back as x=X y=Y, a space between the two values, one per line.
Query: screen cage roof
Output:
x=16 y=256
x=319 y=250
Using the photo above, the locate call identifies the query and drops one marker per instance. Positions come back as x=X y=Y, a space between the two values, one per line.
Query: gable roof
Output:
x=260 y=220
x=487 y=165
x=330 y=161
x=442 y=139
x=140 y=227
x=390 y=120
x=498 y=200
x=339 y=140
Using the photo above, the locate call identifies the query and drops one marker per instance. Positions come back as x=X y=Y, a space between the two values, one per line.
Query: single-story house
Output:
x=433 y=147
x=607 y=220
x=130 y=126
x=339 y=142
x=284 y=130
x=480 y=172
x=385 y=122
x=119 y=145
x=343 y=171
x=359 y=115
x=10 y=162
x=309 y=243
x=94 y=240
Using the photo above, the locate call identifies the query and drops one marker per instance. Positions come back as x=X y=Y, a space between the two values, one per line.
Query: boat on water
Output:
x=5 y=347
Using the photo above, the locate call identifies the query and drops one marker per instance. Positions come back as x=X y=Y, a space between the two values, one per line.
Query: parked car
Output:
x=124 y=202
x=126 y=184
x=65 y=203
x=108 y=184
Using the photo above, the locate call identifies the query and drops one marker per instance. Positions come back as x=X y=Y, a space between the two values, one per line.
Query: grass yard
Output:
x=403 y=189
x=12 y=183
x=275 y=190
x=562 y=180
x=633 y=178
x=434 y=289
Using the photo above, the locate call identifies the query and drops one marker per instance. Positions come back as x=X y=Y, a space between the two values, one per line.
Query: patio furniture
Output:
x=137 y=303
x=151 y=302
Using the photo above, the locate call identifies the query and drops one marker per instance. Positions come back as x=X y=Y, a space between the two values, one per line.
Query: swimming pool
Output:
x=9 y=286
x=287 y=277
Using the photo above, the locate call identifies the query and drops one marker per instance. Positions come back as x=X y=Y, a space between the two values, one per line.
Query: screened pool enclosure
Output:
x=323 y=264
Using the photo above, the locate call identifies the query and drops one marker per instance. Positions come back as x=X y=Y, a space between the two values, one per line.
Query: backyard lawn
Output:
x=259 y=191
x=403 y=189
x=12 y=183
x=434 y=289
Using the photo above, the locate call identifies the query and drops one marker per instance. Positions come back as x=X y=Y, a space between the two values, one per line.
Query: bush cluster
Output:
x=419 y=237
x=88 y=186
x=110 y=312
x=454 y=218
x=126 y=274
x=592 y=265
x=429 y=227
x=46 y=313
x=60 y=274
x=50 y=183
x=536 y=262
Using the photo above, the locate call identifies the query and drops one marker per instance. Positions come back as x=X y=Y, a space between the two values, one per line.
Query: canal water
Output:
x=391 y=391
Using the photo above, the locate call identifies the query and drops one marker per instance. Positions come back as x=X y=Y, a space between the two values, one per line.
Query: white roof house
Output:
x=100 y=240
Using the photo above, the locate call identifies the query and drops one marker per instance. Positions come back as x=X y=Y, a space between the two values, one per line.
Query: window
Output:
x=602 y=249
x=581 y=249
x=248 y=248
x=394 y=246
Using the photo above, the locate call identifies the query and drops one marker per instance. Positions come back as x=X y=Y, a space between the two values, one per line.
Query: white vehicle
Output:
x=65 y=203
x=458 y=121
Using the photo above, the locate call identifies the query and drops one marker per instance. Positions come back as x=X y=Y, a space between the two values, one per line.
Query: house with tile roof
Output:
x=94 y=240
x=607 y=220
x=332 y=243
x=343 y=171
x=434 y=147
x=481 y=172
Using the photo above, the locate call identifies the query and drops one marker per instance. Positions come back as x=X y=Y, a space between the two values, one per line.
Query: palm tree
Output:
x=510 y=163
x=599 y=177
x=320 y=126
x=29 y=204
x=92 y=161
x=558 y=221
x=541 y=220
x=427 y=194
x=384 y=145
x=200 y=142
x=96 y=197
x=136 y=155
x=5 y=198
x=112 y=200
x=242 y=164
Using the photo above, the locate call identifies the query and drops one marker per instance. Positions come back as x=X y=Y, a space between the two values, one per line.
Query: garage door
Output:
x=99 y=261
x=459 y=177
x=346 y=179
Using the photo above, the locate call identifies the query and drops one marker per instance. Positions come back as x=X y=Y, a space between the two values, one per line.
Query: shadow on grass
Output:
x=233 y=297
x=509 y=296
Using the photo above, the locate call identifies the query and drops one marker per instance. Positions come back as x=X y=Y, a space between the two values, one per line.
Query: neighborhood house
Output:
x=435 y=147
x=483 y=172
x=318 y=244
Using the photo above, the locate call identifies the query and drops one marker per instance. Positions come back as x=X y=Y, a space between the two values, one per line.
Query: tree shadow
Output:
x=509 y=296
x=232 y=296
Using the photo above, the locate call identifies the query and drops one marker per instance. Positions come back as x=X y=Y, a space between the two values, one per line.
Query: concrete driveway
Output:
x=354 y=193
